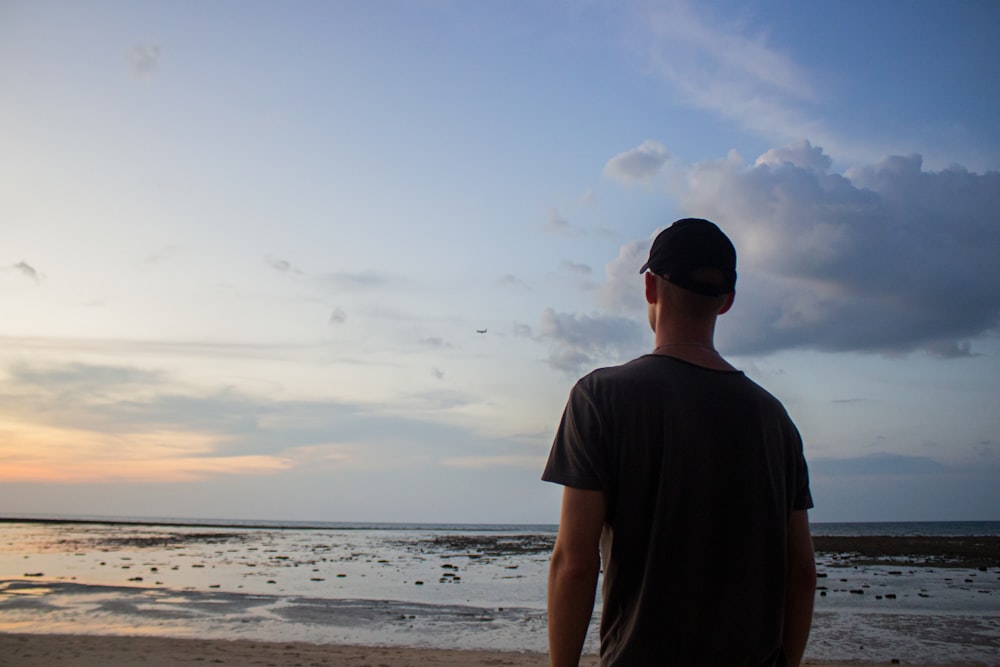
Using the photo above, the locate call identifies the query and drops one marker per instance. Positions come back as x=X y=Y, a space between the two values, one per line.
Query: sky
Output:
x=247 y=248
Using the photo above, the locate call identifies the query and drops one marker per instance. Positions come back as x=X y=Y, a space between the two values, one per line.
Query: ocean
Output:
x=434 y=585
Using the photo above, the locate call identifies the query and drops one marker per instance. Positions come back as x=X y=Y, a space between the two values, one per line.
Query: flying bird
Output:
x=480 y=330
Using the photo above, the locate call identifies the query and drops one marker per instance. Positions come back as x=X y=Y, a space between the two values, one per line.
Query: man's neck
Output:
x=695 y=346
x=695 y=353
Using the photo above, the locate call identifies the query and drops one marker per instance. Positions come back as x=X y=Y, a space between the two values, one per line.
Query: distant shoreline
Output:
x=280 y=525
x=972 y=527
x=948 y=550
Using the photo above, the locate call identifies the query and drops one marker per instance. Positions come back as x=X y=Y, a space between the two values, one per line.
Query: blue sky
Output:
x=245 y=247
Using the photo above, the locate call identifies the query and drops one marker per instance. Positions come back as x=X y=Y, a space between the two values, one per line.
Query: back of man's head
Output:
x=695 y=255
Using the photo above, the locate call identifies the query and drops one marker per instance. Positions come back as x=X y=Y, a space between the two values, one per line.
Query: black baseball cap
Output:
x=691 y=244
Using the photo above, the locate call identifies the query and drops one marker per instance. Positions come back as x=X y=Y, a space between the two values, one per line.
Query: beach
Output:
x=89 y=593
x=92 y=651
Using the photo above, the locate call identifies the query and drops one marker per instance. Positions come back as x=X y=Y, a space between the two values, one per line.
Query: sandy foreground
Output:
x=32 y=650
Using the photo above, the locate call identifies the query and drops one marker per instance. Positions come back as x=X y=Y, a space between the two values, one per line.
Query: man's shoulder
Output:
x=625 y=371
x=654 y=373
x=763 y=393
x=644 y=373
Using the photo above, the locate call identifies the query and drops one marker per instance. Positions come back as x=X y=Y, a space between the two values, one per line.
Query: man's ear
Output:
x=728 y=303
x=651 y=287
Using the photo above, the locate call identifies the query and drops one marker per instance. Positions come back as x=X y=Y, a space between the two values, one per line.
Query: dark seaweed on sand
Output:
x=925 y=551
x=161 y=541
x=481 y=545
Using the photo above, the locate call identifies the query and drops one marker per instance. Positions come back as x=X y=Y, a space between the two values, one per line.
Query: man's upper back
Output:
x=701 y=469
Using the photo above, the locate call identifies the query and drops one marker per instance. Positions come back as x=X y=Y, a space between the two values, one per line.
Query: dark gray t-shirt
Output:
x=701 y=470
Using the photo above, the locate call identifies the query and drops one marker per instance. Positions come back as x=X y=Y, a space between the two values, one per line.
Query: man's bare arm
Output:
x=800 y=588
x=576 y=563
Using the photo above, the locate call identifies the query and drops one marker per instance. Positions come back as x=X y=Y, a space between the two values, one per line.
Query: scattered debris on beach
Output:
x=972 y=552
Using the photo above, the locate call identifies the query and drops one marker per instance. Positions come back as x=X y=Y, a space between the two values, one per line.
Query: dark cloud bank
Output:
x=887 y=258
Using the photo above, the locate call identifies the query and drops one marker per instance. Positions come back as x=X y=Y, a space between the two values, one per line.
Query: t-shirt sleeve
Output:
x=802 y=499
x=577 y=458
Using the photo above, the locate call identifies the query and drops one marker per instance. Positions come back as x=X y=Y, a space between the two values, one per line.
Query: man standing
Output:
x=688 y=480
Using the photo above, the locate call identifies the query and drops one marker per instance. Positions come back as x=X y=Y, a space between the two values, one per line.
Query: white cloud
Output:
x=622 y=291
x=887 y=257
x=801 y=154
x=715 y=64
x=722 y=50
x=639 y=165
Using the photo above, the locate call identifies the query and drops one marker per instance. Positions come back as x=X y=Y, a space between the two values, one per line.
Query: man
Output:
x=688 y=480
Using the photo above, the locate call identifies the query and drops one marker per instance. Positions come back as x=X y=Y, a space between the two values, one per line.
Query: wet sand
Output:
x=67 y=552
x=22 y=650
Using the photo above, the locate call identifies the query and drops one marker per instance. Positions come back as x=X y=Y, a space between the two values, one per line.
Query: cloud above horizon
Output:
x=713 y=65
x=885 y=258
x=639 y=165
x=77 y=422
x=581 y=341
x=876 y=465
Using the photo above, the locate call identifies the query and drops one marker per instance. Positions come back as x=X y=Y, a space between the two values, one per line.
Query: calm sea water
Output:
x=438 y=585
x=909 y=528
